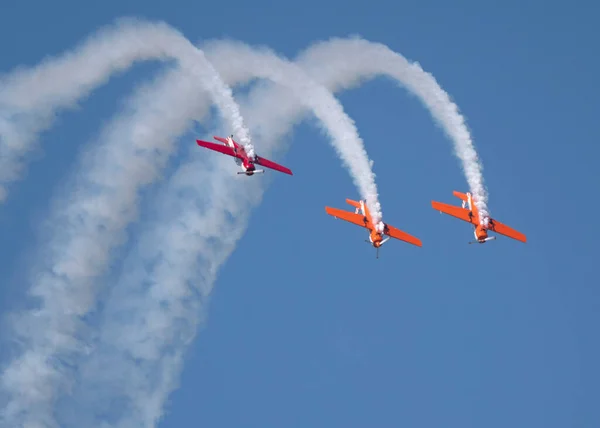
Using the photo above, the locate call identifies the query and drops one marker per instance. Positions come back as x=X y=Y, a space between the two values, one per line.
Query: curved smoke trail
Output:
x=152 y=315
x=98 y=203
x=188 y=239
x=343 y=63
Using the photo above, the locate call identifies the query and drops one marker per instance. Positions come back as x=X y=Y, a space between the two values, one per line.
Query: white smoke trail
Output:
x=342 y=63
x=155 y=307
x=159 y=355
x=153 y=312
x=159 y=324
x=30 y=98
x=90 y=221
x=100 y=204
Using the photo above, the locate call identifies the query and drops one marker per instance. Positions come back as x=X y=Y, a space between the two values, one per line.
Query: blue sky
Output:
x=322 y=333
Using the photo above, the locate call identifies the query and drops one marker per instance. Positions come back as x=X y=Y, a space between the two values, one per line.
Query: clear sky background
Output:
x=305 y=327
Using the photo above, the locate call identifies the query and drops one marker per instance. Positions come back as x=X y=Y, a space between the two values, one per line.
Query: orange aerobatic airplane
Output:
x=472 y=216
x=365 y=220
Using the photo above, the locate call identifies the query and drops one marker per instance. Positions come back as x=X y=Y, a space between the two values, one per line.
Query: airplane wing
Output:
x=458 y=212
x=270 y=164
x=403 y=236
x=502 y=229
x=217 y=147
x=357 y=219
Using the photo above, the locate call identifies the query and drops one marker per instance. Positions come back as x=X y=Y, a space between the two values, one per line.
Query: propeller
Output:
x=490 y=238
x=256 y=171
x=377 y=248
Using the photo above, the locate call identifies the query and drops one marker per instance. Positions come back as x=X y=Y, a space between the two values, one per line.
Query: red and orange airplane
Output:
x=365 y=220
x=472 y=216
x=242 y=158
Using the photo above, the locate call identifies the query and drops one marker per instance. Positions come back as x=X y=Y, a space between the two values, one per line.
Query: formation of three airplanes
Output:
x=361 y=215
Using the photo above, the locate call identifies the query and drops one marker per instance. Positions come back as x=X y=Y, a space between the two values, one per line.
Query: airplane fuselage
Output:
x=480 y=231
x=480 y=234
x=247 y=165
x=375 y=238
x=242 y=158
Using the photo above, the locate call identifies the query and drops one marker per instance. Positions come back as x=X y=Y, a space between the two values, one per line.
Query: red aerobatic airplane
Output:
x=242 y=158
x=471 y=215
x=365 y=220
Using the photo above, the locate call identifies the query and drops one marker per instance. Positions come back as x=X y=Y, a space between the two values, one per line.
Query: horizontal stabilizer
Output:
x=460 y=195
x=221 y=139
x=353 y=203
